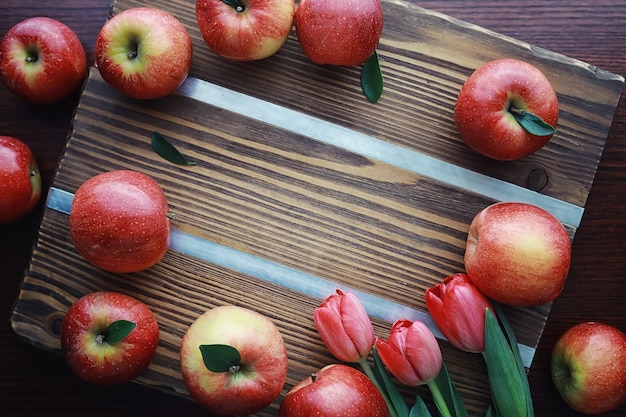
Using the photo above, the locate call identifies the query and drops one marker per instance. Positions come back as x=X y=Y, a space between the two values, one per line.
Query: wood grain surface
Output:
x=290 y=189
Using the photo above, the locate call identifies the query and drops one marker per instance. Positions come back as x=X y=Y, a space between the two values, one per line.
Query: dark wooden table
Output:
x=34 y=383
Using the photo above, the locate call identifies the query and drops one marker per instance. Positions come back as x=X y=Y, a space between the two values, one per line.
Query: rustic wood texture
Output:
x=179 y=288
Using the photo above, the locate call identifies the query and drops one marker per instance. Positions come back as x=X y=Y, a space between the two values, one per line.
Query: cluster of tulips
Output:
x=411 y=353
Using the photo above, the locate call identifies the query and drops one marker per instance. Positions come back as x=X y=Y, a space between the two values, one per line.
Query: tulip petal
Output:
x=330 y=328
x=397 y=363
x=357 y=324
x=423 y=351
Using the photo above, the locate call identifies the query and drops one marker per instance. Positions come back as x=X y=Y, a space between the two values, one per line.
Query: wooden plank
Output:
x=336 y=204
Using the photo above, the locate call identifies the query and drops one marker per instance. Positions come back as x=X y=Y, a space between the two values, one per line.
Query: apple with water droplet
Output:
x=233 y=360
x=108 y=337
x=342 y=33
x=42 y=60
x=120 y=221
x=20 y=180
x=144 y=52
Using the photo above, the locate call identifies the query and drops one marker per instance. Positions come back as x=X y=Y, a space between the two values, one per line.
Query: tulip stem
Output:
x=442 y=406
x=367 y=369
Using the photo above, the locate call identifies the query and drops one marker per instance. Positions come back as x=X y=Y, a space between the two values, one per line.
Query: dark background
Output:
x=35 y=383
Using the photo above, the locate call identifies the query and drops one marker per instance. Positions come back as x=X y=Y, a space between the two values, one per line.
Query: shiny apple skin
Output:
x=337 y=390
x=263 y=361
x=257 y=32
x=56 y=65
x=20 y=180
x=100 y=362
x=518 y=254
x=119 y=221
x=344 y=33
x=481 y=112
x=164 y=53
x=588 y=365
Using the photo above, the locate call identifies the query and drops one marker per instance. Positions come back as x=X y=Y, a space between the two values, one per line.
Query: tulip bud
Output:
x=411 y=353
x=345 y=327
x=458 y=308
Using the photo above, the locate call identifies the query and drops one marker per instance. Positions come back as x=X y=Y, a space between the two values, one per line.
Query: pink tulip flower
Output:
x=411 y=353
x=345 y=327
x=458 y=308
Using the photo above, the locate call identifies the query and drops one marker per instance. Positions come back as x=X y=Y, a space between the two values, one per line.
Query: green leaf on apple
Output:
x=220 y=358
x=168 y=151
x=118 y=330
x=532 y=123
x=372 y=79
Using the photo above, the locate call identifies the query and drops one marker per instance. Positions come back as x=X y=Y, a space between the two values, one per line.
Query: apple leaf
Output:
x=532 y=123
x=220 y=358
x=372 y=78
x=167 y=151
x=118 y=330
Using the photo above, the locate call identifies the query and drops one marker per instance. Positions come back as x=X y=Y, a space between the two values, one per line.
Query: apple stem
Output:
x=238 y=5
x=515 y=110
x=313 y=377
x=100 y=339
x=234 y=368
x=171 y=216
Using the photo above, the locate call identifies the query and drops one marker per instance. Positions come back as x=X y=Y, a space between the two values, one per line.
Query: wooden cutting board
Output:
x=302 y=187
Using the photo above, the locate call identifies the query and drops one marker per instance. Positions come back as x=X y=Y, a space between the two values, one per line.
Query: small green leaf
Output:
x=167 y=151
x=419 y=409
x=220 y=358
x=118 y=330
x=387 y=384
x=372 y=78
x=532 y=123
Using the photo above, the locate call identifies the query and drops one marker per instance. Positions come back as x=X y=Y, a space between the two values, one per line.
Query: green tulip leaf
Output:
x=532 y=123
x=449 y=393
x=372 y=78
x=509 y=333
x=419 y=409
x=118 y=330
x=388 y=386
x=505 y=380
x=220 y=358
x=168 y=151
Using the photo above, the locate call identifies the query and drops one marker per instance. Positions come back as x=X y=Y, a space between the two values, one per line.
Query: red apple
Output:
x=42 y=60
x=517 y=254
x=251 y=355
x=109 y=337
x=144 y=52
x=334 y=391
x=20 y=181
x=589 y=367
x=493 y=101
x=245 y=30
x=119 y=221
x=339 y=32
